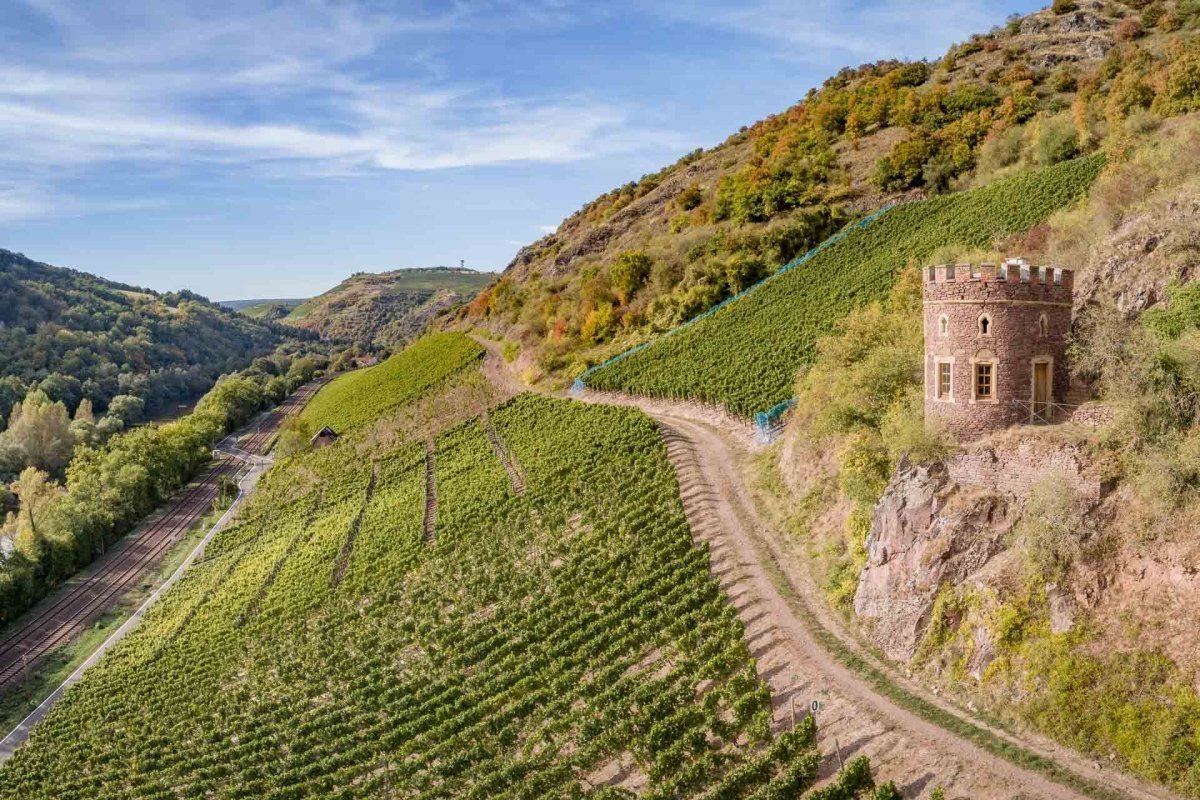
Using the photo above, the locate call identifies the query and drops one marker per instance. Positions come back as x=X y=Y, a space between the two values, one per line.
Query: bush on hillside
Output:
x=628 y=273
x=1057 y=141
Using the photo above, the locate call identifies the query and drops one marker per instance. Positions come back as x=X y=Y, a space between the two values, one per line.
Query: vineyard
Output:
x=745 y=356
x=554 y=643
x=360 y=397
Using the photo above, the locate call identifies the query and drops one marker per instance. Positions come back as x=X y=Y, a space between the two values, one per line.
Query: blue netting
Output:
x=768 y=424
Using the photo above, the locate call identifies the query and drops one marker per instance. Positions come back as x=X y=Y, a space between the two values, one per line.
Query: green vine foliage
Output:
x=746 y=355
x=360 y=397
x=324 y=648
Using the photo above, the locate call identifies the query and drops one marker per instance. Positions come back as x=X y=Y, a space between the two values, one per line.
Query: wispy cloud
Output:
x=824 y=31
x=323 y=88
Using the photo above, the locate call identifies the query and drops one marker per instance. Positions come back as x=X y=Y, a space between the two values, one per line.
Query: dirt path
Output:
x=854 y=718
x=777 y=603
x=759 y=551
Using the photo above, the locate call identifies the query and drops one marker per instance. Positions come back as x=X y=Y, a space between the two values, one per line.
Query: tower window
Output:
x=943 y=380
x=984 y=377
x=944 y=326
x=1043 y=326
x=985 y=325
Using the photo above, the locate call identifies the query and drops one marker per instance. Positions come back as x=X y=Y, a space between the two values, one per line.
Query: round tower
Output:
x=995 y=345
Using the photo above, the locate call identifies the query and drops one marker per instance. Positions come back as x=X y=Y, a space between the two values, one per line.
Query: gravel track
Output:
x=772 y=593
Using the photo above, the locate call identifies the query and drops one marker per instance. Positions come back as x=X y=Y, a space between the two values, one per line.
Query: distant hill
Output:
x=269 y=309
x=77 y=336
x=387 y=307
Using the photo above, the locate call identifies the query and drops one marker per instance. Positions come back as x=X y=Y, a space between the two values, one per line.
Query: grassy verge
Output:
x=49 y=675
x=883 y=683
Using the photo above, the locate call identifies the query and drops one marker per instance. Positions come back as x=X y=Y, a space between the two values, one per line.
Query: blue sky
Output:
x=259 y=149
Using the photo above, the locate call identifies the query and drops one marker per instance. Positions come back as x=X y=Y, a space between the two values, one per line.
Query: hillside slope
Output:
x=386 y=308
x=1036 y=91
x=403 y=617
x=354 y=399
x=746 y=355
x=271 y=309
x=77 y=336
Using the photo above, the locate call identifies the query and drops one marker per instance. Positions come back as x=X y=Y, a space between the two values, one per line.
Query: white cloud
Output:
x=326 y=88
x=835 y=31
x=18 y=203
x=547 y=228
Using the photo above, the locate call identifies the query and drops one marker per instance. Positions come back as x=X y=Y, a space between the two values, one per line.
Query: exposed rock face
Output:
x=944 y=524
x=1149 y=250
x=926 y=531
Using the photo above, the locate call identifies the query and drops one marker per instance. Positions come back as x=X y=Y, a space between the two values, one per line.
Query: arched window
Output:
x=1043 y=326
x=985 y=325
x=944 y=325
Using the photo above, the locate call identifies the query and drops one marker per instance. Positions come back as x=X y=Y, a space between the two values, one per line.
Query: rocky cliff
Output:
x=948 y=524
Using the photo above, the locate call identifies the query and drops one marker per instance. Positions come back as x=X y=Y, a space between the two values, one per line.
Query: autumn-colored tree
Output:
x=36 y=494
x=38 y=435
x=628 y=273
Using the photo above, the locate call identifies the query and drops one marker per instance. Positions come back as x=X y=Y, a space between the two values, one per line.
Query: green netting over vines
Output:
x=746 y=355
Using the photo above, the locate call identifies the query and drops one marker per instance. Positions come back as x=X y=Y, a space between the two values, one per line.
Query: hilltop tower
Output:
x=995 y=344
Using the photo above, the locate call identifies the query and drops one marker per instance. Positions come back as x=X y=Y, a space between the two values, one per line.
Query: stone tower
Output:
x=995 y=345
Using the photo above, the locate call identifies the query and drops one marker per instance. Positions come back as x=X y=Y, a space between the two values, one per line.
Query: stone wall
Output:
x=1014 y=468
x=1093 y=415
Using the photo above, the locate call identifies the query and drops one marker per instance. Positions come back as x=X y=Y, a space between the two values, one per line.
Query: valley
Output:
x=855 y=457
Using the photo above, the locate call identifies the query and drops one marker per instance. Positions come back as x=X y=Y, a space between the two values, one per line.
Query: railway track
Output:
x=63 y=617
x=70 y=613
x=257 y=441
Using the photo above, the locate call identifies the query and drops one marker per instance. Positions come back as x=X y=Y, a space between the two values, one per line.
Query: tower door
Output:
x=1041 y=389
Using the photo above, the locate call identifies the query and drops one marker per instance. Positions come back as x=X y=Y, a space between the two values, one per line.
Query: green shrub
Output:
x=1052 y=529
x=1063 y=78
x=629 y=272
x=690 y=197
x=1058 y=141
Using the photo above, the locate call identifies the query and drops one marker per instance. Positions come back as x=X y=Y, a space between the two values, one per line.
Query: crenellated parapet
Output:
x=995 y=343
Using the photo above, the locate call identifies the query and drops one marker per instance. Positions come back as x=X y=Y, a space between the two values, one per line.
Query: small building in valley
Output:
x=324 y=437
x=995 y=345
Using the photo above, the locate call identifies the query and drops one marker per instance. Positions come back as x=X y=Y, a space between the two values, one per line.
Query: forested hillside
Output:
x=78 y=337
x=385 y=308
x=1033 y=92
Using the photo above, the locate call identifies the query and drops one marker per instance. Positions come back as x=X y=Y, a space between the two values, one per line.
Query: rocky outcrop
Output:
x=945 y=523
x=927 y=530
x=1150 y=249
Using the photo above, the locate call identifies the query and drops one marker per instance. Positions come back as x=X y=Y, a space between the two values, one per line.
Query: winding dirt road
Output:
x=779 y=606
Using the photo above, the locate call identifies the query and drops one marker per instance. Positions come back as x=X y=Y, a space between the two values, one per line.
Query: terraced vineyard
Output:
x=746 y=355
x=544 y=644
x=359 y=397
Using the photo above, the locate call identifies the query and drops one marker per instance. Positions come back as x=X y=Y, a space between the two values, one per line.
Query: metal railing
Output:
x=1046 y=413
